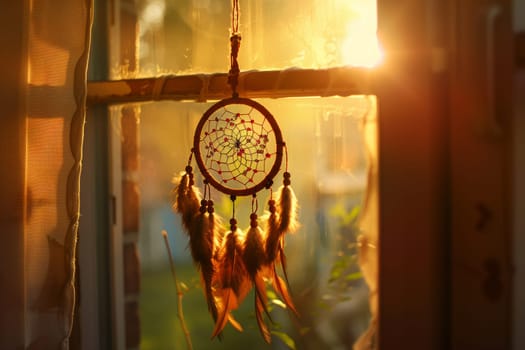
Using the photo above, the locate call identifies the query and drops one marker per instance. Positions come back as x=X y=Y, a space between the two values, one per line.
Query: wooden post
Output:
x=413 y=210
x=130 y=220
x=129 y=123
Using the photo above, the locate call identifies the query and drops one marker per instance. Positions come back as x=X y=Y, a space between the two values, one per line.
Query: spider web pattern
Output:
x=238 y=146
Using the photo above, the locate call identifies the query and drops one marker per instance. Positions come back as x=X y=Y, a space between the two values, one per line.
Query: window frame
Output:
x=416 y=89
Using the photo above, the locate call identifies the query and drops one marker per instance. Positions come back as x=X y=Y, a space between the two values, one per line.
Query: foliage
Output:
x=344 y=272
x=161 y=330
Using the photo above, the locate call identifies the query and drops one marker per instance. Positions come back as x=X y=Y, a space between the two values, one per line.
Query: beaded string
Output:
x=253 y=215
x=189 y=170
x=233 y=221
x=286 y=174
x=206 y=202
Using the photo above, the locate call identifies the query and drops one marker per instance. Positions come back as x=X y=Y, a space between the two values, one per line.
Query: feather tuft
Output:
x=254 y=258
x=227 y=299
x=233 y=283
x=203 y=246
x=287 y=209
x=253 y=254
x=185 y=199
x=273 y=235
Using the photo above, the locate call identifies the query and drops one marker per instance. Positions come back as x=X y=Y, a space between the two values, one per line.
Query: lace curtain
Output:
x=58 y=38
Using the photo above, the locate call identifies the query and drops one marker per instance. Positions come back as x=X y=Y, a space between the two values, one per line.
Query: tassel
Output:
x=254 y=258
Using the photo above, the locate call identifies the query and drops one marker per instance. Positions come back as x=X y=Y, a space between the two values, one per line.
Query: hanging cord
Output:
x=255 y=203
x=207 y=192
x=253 y=215
x=235 y=43
x=189 y=170
x=236 y=14
x=285 y=156
x=233 y=221
x=191 y=156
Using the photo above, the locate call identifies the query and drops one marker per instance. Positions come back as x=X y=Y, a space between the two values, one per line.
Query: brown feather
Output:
x=254 y=258
x=224 y=308
x=279 y=285
x=226 y=302
x=253 y=253
x=287 y=207
x=233 y=283
x=203 y=229
x=180 y=183
x=232 y=270
x=282 y=219
x=203 y=246
x=281 y=258
x=273 y=236
x=234 y=323
x=185 y=199
x=260 y=306
x=274 y=244
x=201 y=239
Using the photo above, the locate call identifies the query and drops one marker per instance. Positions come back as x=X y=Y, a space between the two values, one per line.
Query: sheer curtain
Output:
x=369 y=227
x=58 y=38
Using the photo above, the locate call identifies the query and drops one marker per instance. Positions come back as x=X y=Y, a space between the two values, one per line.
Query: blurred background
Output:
x=328 y=163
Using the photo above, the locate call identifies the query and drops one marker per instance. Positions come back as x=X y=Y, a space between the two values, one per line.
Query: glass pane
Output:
x=329 y=167
x=192 y=36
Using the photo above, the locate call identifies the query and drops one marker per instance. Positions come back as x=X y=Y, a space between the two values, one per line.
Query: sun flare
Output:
x=360 y=47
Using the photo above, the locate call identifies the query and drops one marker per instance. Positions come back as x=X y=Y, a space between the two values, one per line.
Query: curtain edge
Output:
x=76 y=141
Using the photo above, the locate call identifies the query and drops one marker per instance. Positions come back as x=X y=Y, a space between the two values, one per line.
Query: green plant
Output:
x=344 y=272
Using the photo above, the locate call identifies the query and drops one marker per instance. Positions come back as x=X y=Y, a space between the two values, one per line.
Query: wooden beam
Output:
x=341 y=81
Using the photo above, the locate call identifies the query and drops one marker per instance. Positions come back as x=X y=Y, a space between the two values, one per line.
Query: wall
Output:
x=519 y=209
x=12 y=150
x=519 y=201
x=519 y=15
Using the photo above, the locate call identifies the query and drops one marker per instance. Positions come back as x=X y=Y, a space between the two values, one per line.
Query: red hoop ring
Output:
x=279 y=144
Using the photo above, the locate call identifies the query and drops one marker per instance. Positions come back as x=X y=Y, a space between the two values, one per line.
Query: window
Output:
x=445 y=187
x=329 y=167
x=418 y=112
x=329 y=171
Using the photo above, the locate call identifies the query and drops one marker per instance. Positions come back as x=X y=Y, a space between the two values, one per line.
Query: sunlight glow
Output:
x=153 y=13
x=360 y=46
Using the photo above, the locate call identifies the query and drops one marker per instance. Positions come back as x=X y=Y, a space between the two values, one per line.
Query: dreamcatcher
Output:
x=239 y=149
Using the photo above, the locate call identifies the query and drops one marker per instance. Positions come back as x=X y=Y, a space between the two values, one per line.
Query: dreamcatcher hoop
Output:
x=238 y=146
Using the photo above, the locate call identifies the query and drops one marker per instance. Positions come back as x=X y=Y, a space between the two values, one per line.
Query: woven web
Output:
x=238 y=146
